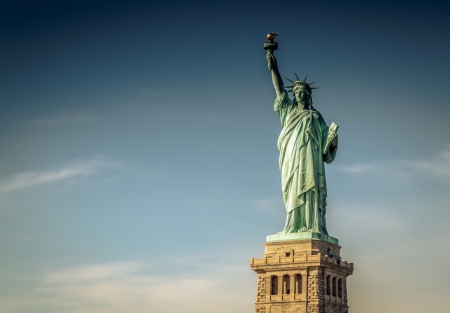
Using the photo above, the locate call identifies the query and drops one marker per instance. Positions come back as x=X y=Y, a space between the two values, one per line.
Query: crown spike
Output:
x=296 y=76
x=314 y=87
x=289 y=80
x=305 y=78
x=312 y=82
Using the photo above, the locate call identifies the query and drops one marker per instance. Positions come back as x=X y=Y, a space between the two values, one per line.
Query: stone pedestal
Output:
x=301 y=276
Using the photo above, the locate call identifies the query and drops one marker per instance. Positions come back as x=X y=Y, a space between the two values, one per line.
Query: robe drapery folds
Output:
x=301 y=143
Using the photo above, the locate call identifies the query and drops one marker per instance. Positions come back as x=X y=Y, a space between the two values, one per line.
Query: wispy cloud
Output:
x=89 y=273
x=124 y=287
x=61 y=119
x=438 y=166
x=360 y=168
x=269 y=205
x=73 y=170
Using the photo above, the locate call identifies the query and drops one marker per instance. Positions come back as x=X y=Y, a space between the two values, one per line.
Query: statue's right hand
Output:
x=270 y=60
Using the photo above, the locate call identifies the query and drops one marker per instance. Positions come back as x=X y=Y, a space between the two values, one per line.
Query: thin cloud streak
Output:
x=61 y=120
x=268 y=206
x=359 y=168
x=71 y=171
x=438 y=166
x=123 y=287
x=86 y=273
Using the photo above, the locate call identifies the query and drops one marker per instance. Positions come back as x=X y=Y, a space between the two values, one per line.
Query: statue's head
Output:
x=302 y=95
x=302 y=91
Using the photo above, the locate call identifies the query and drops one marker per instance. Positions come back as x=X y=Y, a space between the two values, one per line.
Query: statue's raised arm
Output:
x=270 y=46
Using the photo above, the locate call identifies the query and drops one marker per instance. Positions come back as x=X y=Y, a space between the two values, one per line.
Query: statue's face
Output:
x=301 y=95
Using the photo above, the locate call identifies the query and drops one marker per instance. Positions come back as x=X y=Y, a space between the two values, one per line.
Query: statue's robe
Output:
x=302 y=145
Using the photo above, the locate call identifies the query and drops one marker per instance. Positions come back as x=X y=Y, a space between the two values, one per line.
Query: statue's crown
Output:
x=300 y=83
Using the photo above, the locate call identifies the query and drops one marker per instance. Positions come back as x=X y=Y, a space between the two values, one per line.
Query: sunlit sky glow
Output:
x=138 y=155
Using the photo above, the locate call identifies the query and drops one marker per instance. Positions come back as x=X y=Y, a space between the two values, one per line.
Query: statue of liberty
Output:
x=305 y=143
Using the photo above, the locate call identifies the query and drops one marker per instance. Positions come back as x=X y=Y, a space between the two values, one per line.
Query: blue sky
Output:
x=138 y=154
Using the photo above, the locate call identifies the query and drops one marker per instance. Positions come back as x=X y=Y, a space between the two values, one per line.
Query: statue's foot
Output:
x=303 y=229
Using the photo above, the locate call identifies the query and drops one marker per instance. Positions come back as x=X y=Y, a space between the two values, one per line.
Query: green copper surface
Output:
x=305 y=143
x=302 y=236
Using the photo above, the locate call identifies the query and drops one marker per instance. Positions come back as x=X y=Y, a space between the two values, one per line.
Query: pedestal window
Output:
x=334 y=286
x=286 y=284
x=328 y=285
x=340 y=288
x=298 y=283
x=274 y=285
